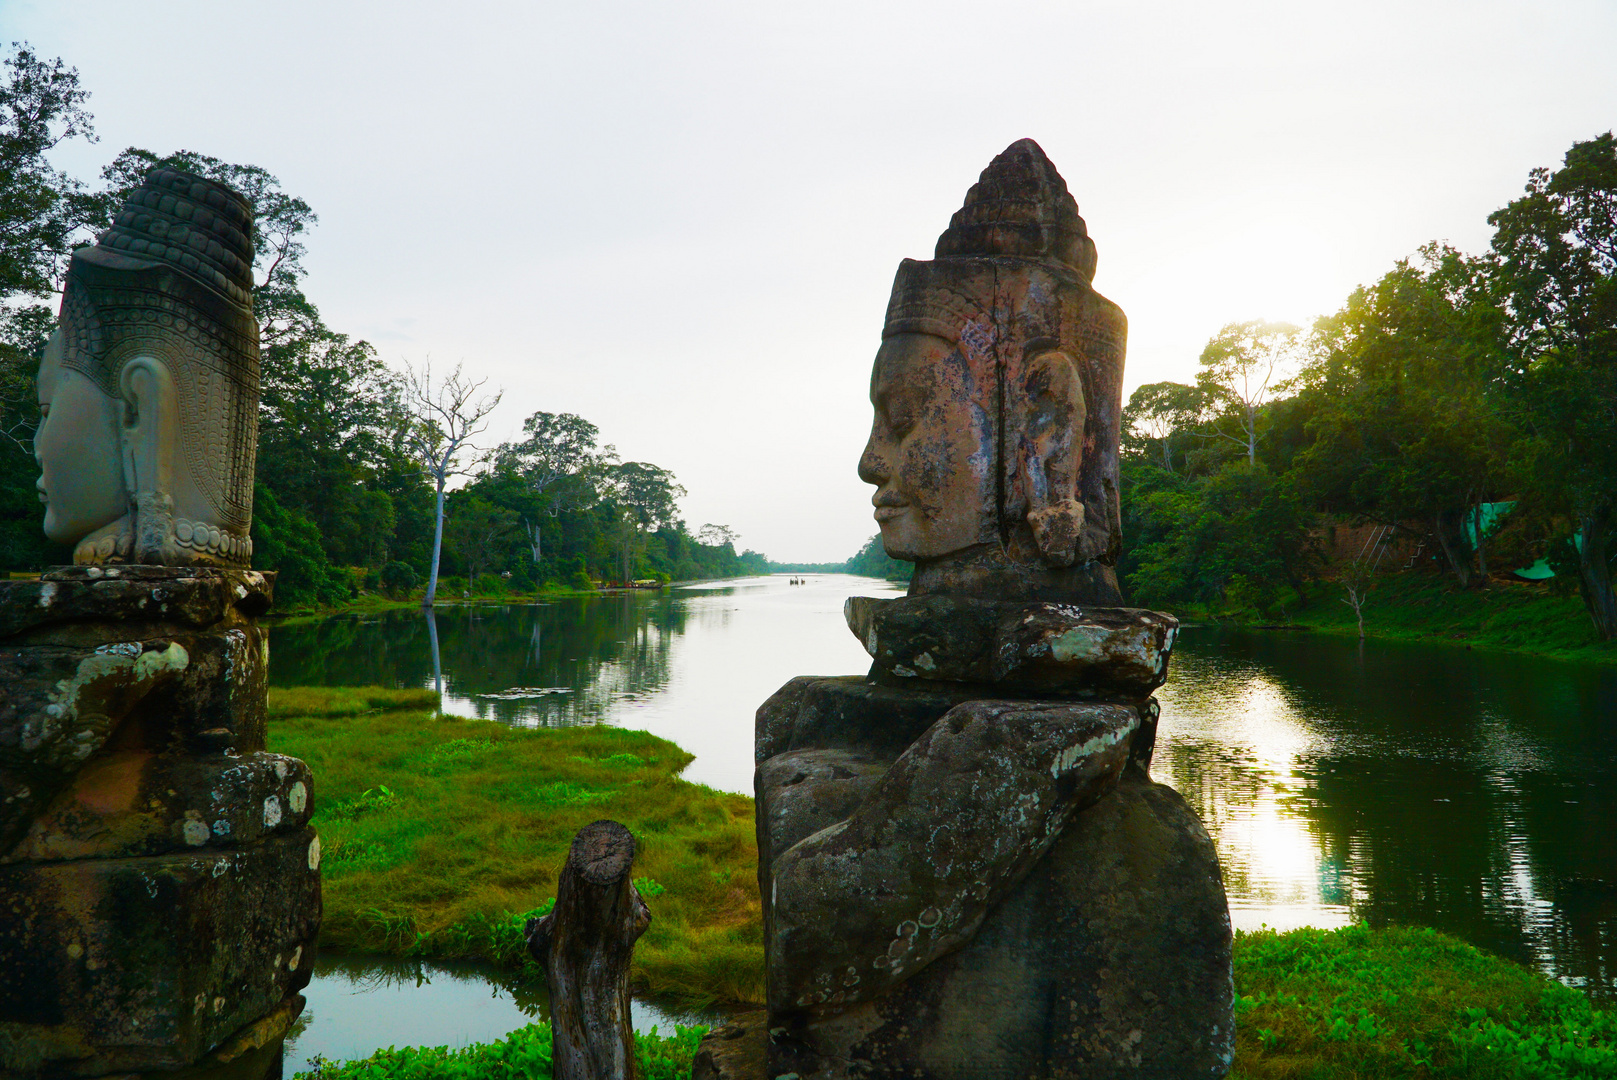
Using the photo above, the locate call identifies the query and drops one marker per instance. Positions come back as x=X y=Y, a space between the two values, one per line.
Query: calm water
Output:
x=1471 y=791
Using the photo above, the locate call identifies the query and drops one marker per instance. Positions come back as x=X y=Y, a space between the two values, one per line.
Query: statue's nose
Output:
x=872 y=466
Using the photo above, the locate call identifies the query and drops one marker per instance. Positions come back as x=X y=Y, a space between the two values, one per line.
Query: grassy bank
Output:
x=441 y=836
x=524 y=1054
x=1356 y=1003
x=1415 y=606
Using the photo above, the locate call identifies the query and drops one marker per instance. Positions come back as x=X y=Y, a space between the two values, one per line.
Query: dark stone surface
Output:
x=931 y=848
x=991 y=572
x=1110 y=960
x=733 y=1051
x=193 y=596
x=135 y=803
x=158 y=877
x=813 y=712
x=1023 y=647
x=131 y=964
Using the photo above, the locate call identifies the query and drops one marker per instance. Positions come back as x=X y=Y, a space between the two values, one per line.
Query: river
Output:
x=1427 y=785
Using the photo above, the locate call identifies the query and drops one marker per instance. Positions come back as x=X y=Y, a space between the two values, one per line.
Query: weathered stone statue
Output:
x=158 y=873
x=966 y=869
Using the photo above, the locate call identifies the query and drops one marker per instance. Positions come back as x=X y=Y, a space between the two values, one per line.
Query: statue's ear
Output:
x=150 y=435
x=1051 y=455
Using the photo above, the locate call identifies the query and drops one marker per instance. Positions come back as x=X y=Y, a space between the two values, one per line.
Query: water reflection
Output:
x=357 y=1004
x=538 y=665
x=1405 y=784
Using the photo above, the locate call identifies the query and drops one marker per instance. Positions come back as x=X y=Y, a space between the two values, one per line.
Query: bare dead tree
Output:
x=447 y=416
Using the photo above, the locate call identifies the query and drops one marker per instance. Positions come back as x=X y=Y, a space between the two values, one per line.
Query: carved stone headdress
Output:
x=1009 y=284
x=172 y=279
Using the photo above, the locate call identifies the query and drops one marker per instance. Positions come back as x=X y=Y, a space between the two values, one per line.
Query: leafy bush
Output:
x=524 y=1054
x=289 y=543
x=399 y=578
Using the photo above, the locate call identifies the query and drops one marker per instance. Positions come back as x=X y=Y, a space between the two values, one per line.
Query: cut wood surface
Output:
x=586 y=944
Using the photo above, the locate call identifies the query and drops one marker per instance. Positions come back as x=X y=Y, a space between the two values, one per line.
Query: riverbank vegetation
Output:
x=1456 y=418
x=524 y=1054
x=343 y=504
x=442 y=836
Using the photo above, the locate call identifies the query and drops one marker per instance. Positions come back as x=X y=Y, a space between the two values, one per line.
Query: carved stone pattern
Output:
x=220 y=368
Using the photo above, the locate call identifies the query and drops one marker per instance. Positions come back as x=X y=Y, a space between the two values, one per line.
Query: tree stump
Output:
x=585 y=945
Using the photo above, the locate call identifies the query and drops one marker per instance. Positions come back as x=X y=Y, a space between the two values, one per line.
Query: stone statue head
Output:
x=997 y=399
x=149 y=387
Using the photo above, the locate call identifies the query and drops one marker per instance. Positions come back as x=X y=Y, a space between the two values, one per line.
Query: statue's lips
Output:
x=888 y=513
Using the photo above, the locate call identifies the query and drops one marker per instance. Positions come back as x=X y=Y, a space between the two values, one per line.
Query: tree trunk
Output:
x=1251 y=436
x=585 y=945
x=1594 y=573
x=1482 y=542
x=1450 y=538
x=437 y=549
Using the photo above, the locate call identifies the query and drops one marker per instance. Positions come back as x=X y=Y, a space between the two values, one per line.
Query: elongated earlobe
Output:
x=150 y=442
x=1051 y=455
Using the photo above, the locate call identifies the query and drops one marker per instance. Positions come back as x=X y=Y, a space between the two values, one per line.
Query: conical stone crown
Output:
x=1020 y=207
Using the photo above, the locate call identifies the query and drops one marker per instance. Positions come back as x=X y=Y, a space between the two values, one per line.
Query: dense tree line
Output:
x=345 y=498
x=1454 y=383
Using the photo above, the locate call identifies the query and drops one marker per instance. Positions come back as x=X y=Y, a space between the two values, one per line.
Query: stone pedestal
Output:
x=1076 y=935
x=158 y=874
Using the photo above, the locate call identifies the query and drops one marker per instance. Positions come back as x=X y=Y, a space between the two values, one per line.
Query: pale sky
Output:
x=681 y=221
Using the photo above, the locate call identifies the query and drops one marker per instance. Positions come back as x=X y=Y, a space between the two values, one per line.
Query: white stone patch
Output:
x=47 y=594
x=1070 y=757
x=314 y=854
x=298 y=797
x=297 y=954
x=900 y=669
x=195 y=832
x=1084 y=643
x=157 y=661
x=272 y=811
x=925 y=662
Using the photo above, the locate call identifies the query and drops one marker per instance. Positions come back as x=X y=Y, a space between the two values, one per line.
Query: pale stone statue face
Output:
x=78 y=450
x=932 y=453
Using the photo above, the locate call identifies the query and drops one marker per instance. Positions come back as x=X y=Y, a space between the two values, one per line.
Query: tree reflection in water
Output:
x=1407 y=784
x=538 y=665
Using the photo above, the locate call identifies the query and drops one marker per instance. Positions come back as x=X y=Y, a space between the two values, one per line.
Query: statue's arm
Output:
x=947 y=832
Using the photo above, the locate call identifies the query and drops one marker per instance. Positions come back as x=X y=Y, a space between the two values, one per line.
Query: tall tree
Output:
x=647 y=499
x=560 y=461
x=1243 y=365
x=1160 y=412
x=448 y=415
x=1409 y=427
x=1555 y=262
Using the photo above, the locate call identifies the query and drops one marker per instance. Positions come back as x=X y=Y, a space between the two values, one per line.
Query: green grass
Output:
x=1356 y=1003
x=441 y=836
x=1501 y=615
x=524 y=1054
